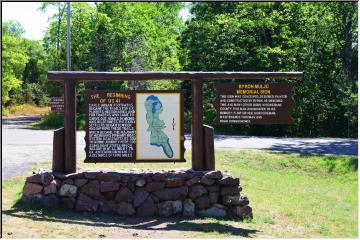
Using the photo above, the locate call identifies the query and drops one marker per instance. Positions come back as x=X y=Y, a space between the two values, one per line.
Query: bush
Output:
x=56 y=120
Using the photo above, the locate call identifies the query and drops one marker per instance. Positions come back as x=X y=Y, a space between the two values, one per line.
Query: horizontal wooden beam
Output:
x=102 y=76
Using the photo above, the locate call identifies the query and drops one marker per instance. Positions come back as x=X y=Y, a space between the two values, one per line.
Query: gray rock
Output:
x=51 y=188
x=109 y=186
x=147 y=208
x=207 y=181
x=80 y=182
x=91 y=174
x=36 y=178
x=202 y=202
x=214 y=188
x=196 y=191
x=235 y=200
x=189 y=208
x=68 y=202
x=242 y=212
x=109 y=177
x=214 y=175
x=169 y=208
x=92 y=189
x=214 y=211
x=85 y=203
x=139 y=196
x=108 y=207
x=166 y=194
x=174 y=182
x=153 y=186
x=46 y=178
x=232 y=190
x=108 y=195
x=68 y=181
x=31 y=188
x=68 y=190
x=158 y=177
x=50 y=199
x=193 y=181
x=214 y=197
x=124 y=195
x=125 y=209
x=140 y=182
x=228 y=180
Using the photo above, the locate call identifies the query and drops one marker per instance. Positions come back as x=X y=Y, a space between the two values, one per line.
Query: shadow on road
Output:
x=20 y=121
x=349 y=147
x=64 y=216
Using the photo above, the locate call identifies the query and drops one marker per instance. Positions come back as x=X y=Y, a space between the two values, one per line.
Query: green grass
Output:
x=291 y=196
x=56 y=120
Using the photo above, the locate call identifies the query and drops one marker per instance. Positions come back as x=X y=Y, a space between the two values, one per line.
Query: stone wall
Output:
x=141 y=193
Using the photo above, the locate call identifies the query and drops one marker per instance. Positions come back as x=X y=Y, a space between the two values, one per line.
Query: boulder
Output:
x=140 y=182
x=31 y=188
x=125 y=209
x=147 y=208
x=189 y=208
x=139 y=196
x=174 y=182
x=85 y=203
x=50 y=199
x=216 y=210
x=235 y=200
x=196 y=191
x=68 y=181
x=228 y=180
x=153 y=186
x=92 y=189
x=202 y=202
x=68 y=202
x=242 y=212
x=214 y=175
x=131 y=186
x=91 y=174
x=80 y=182
x=232 y=190
x=46 y=178
x=193 y=181
x=108 y=207
x=214 y=197
x=36 y=178
x=109 y=186
x=108 y=177
x=108 y=195
x=68 y=190
x=124 y=195
x=166 y=194
x=124 y=179
x=51 y=188
x=169 y=208
x=214 y=188
x=207 y=181
x=157 y=177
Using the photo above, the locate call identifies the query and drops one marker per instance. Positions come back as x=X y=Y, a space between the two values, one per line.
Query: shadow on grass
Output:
x=47 y=213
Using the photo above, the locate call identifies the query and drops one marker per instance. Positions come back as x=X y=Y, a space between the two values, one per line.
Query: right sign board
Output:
x=254 y=103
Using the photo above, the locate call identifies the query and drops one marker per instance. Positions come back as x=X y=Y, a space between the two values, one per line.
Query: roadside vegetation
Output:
x=25 y=110
x=291 y=195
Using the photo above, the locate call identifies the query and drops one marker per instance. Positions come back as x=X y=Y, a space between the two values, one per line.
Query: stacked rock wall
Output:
x=164 y=194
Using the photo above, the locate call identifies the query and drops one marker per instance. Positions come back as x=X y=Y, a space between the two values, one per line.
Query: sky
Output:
x=35 y=21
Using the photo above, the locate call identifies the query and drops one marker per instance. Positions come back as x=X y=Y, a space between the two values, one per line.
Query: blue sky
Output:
x=34 y=21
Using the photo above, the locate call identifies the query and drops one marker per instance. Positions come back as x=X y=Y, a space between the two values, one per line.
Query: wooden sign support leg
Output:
x=209 y=152
x=70 y=126
x=197 y=144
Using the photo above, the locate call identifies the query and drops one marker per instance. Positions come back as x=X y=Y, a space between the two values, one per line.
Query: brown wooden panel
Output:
x=70 y=126
x=102 y=76
x=197 y=141
x=58 y=162
x=209 y=152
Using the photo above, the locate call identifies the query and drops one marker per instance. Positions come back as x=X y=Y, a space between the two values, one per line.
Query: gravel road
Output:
x=22 y=147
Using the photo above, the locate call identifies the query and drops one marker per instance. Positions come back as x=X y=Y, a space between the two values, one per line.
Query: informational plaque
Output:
x=57 y=104
x=134 y=126
x=254 y=103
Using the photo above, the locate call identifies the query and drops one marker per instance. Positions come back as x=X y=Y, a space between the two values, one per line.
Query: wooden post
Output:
x=58 y=150
x=209 y=153
x=197 y=144
x=70 y=125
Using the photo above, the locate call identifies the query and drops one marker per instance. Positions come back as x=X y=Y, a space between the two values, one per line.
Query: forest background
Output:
x=320 y=39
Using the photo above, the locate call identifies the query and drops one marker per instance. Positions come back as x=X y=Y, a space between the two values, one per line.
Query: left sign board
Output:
x=134 y=126
x=57 y=104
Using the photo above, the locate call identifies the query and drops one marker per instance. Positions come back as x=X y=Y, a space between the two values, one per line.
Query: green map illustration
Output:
x=158 y=138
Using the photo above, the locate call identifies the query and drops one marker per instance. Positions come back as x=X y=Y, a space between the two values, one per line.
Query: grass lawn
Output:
x=291 y=196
